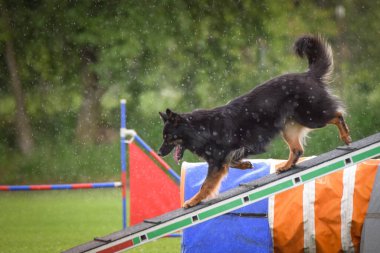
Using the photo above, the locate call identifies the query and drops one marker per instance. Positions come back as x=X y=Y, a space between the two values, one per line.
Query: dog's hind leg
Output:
x=210 y=186
x=293 y=135
x=344 y=132
x=242 y=165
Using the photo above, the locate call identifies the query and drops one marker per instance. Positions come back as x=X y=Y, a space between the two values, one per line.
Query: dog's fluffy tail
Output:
x=319 y=55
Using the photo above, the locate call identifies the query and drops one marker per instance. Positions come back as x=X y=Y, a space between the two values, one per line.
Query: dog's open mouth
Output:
x=178 y=153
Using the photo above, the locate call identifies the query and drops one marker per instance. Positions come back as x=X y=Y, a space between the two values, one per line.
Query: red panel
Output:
x=152 y=192
x=160 y=160
x=117 y=247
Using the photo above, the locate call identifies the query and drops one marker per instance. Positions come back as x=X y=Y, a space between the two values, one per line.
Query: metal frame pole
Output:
x=48 y=187
x=123 y=154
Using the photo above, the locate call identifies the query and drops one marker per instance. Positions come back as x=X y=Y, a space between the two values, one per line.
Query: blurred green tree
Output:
x=76 y=59
x=23 y=129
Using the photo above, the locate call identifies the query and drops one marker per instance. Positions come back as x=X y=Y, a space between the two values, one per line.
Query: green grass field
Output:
x=53 y=221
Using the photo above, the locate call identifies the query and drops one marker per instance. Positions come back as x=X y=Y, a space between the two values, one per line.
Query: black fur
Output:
x=248 y=123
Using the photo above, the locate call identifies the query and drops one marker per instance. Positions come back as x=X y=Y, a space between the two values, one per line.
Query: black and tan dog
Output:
x=291 y=104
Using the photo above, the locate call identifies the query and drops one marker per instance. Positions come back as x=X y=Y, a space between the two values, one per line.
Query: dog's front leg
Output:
x=210 y=186
x=292 y=135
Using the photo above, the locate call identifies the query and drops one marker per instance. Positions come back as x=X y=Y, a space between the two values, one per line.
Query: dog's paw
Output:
x=189 y=203
x=246 y=165
x=282 y=168
x=242 y=165
x=347 y=139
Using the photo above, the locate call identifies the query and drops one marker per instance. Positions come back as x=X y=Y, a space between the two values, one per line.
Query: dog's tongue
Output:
x=177 y=153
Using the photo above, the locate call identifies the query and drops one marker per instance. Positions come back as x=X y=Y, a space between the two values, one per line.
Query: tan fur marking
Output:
x=241 y=165
x=344 y=132
x=210 y=186
x=293 y=134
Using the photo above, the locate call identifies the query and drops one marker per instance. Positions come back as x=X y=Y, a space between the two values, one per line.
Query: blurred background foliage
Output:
x=66 y=64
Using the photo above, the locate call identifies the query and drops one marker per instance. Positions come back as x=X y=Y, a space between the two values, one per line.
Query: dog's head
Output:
x=173 y=134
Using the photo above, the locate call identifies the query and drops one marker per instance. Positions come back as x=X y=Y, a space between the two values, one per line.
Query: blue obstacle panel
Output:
x=243 y=230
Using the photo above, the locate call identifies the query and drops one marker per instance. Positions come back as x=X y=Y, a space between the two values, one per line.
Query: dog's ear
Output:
x=169 y=113
x=164 y=117
x=173 y=117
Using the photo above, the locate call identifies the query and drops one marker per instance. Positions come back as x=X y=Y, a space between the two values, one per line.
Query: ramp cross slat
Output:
x=233 y=199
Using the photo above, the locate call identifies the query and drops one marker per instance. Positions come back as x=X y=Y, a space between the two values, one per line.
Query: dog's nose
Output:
x=159 y=153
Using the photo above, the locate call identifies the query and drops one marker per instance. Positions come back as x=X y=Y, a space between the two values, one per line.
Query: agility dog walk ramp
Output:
x=236 y=198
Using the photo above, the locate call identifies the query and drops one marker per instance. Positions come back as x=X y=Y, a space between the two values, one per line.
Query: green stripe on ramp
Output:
x=169 y=228
x=365 y=155
x=220 y=209
x=323 y=171
x=136 y=240
x=271 y=190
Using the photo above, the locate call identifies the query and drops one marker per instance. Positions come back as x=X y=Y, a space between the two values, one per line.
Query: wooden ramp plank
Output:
x=233 y=199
